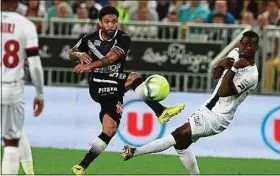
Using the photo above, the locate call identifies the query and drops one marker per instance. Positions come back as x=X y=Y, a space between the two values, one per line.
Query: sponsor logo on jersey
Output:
x=107 y=90
x=97 y=42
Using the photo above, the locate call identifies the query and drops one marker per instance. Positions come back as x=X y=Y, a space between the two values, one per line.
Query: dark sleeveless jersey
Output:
x=97 y=48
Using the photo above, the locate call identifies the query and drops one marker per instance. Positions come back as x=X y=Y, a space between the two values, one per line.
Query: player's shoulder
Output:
x=234 y=50
x=234 y=53
x=22 y=19
x=92 y=36
x=122 y=34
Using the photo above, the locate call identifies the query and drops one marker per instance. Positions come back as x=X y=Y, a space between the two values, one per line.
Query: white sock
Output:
x=189 y=161
x=26 y=155
x=10 y=163
x=98 y=146
x=155 y=146
x=140 y=91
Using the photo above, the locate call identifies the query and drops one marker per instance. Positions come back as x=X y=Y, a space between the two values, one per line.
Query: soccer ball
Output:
x=156 y=88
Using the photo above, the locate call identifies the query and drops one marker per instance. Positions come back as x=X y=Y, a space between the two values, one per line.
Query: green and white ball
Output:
x=156 y=88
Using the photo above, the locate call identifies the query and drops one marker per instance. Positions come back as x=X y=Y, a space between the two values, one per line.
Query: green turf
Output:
x=60 y=161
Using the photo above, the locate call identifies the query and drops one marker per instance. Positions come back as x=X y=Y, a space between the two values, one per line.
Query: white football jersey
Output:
x=18 y=36
x=244 y=81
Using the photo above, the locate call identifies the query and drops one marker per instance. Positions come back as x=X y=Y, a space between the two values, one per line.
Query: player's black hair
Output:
x=107 y=10
x=253 y=36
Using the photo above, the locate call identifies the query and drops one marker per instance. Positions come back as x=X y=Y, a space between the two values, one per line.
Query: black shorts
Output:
x=108 y=90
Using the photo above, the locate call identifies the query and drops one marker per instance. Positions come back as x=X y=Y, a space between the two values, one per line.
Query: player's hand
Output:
x=241 y=63
x=226 y=62
x=80 y=68
x=38 y=106
x=83 y=57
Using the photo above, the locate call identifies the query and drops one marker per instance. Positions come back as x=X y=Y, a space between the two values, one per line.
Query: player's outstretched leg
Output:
x=25 y=155
x=164 y=114
x=181 y=137
x=98 y=146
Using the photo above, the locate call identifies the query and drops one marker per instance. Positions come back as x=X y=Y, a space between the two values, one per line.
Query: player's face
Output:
x=247 y=48
x=109 y=24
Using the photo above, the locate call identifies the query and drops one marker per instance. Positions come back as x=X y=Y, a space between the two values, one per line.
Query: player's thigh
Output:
x=12 y=116
x=111 y=108
x=109 y=125
x=201 y=125
x=132 y=76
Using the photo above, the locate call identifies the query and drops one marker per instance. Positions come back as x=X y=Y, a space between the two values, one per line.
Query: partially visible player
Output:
x=237 y=80
x=104 y=53
x=19 y=40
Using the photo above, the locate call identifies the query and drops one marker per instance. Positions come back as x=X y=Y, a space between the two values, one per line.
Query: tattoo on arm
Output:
x=106 y=60
x=110 y=58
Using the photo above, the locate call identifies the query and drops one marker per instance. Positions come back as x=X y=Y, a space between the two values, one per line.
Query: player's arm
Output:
x=221 y=66
x=228 y=86
x=78 y=52
x=112 y=56
x=35 y=67
x=34 y=61
x=117 y=51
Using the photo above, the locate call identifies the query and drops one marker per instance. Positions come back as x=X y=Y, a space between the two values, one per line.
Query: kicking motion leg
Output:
x=180 y=139
x=136 y=83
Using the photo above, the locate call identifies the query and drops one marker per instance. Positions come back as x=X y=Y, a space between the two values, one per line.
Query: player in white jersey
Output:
x=19 y=40
x=238 y=77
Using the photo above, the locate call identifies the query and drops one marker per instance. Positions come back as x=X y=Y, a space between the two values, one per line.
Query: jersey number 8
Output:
x=10 y=58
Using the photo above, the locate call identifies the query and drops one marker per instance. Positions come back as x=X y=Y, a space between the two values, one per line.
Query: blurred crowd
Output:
x=256 y=13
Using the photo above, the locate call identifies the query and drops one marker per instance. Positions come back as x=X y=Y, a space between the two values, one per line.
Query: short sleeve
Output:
x=123 y=43
x=243 y=82
x=31 y=37
x=234 y=54
x=81 y=45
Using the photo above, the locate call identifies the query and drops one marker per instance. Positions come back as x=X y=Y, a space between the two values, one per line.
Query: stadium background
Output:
x=181 y=40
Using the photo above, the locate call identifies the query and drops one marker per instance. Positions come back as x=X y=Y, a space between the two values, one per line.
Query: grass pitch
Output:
x=60 y=161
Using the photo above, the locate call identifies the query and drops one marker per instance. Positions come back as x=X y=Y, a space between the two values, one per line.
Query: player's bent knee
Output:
x=109 y=125
x=110 y=130
x=134 y=75
x=134 y=80
x=182 y=136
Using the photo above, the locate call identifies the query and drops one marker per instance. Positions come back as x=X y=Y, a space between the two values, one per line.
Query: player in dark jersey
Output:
x=103 y=53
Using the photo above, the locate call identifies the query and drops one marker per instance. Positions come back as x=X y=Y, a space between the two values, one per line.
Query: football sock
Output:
x=98 y=146
x=25 y=155
x=189 y=160
x=155 y=146
x=138 y=86
x=10 y=163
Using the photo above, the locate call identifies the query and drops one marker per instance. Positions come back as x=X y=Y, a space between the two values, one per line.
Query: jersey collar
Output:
x=100 y=35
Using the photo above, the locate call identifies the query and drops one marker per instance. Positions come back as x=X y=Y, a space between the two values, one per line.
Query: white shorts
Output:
x=206 y=123
x=12 y=120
